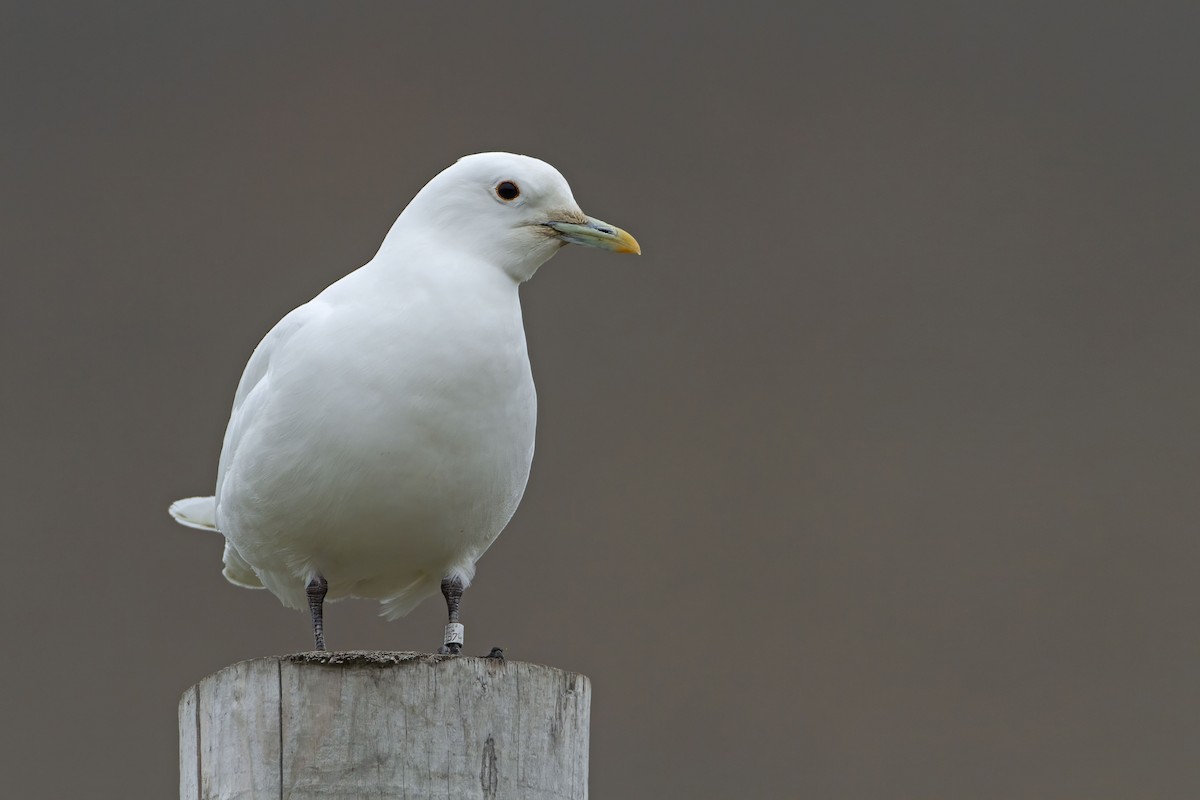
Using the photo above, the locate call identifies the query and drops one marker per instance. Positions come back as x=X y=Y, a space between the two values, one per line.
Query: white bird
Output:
x=382 y=433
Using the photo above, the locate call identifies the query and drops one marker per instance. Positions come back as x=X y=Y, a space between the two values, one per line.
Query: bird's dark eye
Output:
x=507 y=190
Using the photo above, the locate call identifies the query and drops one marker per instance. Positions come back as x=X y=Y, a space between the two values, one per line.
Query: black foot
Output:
x=316 y=590
x=497 y=653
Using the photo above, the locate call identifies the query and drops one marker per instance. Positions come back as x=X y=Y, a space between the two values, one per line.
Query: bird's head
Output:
x=510 y=210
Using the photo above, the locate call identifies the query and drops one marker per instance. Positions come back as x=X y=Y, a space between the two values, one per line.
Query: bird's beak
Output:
x=595 y=233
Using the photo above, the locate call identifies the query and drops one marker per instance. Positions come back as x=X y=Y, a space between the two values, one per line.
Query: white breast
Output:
x=388 y=438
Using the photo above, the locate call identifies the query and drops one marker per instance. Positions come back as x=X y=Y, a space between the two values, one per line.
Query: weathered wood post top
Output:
x=385 y=724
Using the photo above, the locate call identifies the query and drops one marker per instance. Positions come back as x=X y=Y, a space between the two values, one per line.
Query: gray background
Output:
x=874 y=477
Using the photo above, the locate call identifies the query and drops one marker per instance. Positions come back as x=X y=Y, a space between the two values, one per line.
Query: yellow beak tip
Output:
x=629 y=245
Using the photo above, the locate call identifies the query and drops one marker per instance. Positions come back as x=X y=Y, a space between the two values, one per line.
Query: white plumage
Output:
x=382 y=433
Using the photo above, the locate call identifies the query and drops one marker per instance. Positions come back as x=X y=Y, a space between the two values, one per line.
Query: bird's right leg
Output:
x=452 y=590
x=316 y=590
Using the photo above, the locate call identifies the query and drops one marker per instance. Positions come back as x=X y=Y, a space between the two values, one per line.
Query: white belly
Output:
x=380 y=454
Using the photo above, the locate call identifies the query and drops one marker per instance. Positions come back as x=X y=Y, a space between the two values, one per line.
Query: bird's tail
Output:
x=196 y=512
x=201 y=513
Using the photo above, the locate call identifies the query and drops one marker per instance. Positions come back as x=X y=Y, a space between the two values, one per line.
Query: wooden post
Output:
x=385 y=725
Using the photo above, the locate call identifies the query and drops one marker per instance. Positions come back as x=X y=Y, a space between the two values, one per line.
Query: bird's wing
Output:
x=238 y=571
x=253 y=388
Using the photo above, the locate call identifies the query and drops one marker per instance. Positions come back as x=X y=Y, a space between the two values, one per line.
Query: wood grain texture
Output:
x=238 y=732
x=189 y=743
x=385 y=725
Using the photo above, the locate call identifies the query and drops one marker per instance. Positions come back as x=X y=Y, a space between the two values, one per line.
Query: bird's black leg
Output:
x=316 y=590
x=452 y=589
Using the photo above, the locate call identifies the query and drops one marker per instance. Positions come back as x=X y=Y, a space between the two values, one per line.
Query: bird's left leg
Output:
x=316 y=590
x=452 y=590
